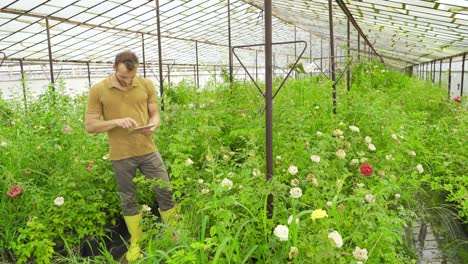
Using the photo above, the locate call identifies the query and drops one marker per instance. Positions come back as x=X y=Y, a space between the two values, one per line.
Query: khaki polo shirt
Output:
x=112 y=103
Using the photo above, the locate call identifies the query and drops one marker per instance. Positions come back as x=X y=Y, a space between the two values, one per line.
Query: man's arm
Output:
x=94 y=124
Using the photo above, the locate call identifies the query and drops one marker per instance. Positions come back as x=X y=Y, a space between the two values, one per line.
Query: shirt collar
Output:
x=108 y=82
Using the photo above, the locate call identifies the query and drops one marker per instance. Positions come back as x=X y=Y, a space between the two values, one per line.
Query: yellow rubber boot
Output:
x=135 y=229
x=170 y=218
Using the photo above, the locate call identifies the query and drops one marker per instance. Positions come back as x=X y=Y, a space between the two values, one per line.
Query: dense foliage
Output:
x=353 y=180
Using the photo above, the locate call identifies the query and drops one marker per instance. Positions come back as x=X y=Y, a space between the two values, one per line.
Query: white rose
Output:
x=368 y=139
x=205 y=191
x=226 y=183
x=337 y=133
x=188 y=162
x=419 y=168
x=341 y=154
x=412 y=153
x=394 y=136
x=200 y=181
x=296 y=192
x=294 y=182
x=318 y=133
x=354 y=128
x=59 y=201
x=282 y=232
x=315 y=158
x=354 y=162
x=360 y=254
x=293 y=170
x=329 y=203
x=336 y=237
x=4 y=144
x=370 y=198
x=397 y=196
x=293 y=252
x=372 y=147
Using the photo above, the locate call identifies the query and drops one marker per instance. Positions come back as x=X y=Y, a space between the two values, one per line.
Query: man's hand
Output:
x=126 y=122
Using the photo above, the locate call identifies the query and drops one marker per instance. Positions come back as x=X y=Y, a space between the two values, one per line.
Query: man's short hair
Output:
x=128 y=58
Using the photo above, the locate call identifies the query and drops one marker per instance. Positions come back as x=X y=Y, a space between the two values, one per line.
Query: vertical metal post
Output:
x=161 y=81
x=348 y=54
x=231 y=68
x=462 y=73
x=89 y=74
x=256 y=65
x=440 y=73
x=49 y=46
x=427 y=70
x=214 y=67
x=195 y=75
x=421 y=71
x=321 y=56
x=310 y=41
x=434 y=71
x=196 y=61
x=295 y=46
x=449 y=77
x=143 y=50
x=23 y=85
x=168 y=75
x=269 y=100
x=332 y=53
x=358 y=46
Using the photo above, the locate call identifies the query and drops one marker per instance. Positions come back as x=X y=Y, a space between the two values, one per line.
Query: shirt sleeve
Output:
x=94 y=104
x=152 y=97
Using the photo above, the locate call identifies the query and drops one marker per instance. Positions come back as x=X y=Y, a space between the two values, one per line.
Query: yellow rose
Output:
x=319 y=213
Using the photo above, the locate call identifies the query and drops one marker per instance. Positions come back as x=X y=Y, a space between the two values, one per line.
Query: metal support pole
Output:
x=358 y=47
x=231 y=68
x=332 y=53
x=196 y=61
x=195 y=75
x=449 y=77
x=440 y=73
x=143 y=50
x=348 y=53
x=214 y=68
x=256 y=65
x=161 y=81
x=269 y=100
x=168 y=75
x=295 y=46
x=463 y=73
x=23 y=85
x=321 y=55
x=310 y=41
x=49 y=46
x=89 y=74
x=427 y=70
x=434 y=71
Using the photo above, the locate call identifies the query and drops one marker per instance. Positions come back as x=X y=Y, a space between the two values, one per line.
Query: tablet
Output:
x=143 y=127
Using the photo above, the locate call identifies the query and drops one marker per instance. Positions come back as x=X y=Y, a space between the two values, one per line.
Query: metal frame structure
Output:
x=400 y=33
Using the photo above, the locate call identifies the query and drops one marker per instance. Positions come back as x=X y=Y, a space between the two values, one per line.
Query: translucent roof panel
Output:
x=402 y=32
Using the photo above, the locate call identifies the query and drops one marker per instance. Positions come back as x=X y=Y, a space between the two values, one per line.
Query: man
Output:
x=126 y=101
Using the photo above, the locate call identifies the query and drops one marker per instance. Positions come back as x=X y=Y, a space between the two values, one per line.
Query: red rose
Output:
x=457 y=99
x=366 y=169
x=14 y=191
x=89 y=166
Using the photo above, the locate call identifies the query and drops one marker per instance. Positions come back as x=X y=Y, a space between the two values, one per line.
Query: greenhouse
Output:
x=235 y=131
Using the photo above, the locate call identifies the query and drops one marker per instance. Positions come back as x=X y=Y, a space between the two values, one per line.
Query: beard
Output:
x=122 y=82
